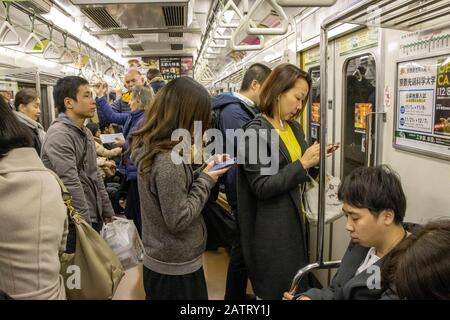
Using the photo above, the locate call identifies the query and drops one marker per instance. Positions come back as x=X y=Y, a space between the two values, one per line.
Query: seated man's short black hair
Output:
x=375 y=188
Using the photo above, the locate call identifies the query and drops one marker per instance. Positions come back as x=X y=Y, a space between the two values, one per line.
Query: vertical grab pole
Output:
x=323 y=142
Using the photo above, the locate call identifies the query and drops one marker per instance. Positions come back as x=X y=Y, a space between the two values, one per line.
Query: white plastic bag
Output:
x=123 y=238
x=333 y=207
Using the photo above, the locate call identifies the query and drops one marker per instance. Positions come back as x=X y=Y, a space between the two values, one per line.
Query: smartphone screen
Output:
x=224 y=164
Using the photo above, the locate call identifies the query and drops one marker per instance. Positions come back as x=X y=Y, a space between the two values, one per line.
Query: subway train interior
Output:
x=372 y=90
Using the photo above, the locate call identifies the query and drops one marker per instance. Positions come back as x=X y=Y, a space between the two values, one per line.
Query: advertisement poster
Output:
x=361 y=111
x=315 y=113
x=170 y=68
x=186 y=66
x=423 y=106
x=442 y=115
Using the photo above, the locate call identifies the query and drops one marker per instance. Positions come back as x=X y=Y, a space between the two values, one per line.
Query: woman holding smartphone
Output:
x=272 y=223
x=172 y=195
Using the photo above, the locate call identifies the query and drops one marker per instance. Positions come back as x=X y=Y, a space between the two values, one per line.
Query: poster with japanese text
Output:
x=423 y=106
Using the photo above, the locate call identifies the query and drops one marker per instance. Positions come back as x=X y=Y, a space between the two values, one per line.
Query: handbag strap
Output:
x=73 y=214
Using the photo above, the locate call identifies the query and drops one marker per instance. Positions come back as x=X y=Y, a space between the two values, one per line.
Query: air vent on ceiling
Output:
x=173 y=16
x=136 y=46
x=175 y=34
x=126 y=35
x=101 y=17
x=176 y=46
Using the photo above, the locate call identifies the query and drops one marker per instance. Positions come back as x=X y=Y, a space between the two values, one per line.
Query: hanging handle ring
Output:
x=32 y=19
x=7 y=6
x=50 y=30
x=65 y=39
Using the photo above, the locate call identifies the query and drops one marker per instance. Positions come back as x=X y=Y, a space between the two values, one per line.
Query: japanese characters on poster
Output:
x=170 y=68
x=175 y=67
x=423 y=105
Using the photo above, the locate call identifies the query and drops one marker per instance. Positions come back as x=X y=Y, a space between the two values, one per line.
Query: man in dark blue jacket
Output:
x=233 y=111
x=155 y=79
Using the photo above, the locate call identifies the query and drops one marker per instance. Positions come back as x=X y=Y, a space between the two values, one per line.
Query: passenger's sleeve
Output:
x=103 y=152
x=63 y=244
x=108 y=210
x=180 y=206
x=281 y=181
x=232 y=118
x=59 y=155
x=320 y=294
x=324 y=293
x=107 y=114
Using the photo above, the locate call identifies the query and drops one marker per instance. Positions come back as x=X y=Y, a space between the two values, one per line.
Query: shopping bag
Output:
x=93 y=272
x=123 y=238
x=310 y=195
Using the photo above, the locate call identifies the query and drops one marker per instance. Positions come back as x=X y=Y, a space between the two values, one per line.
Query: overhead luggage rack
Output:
x=407 y=15
x=30 y=75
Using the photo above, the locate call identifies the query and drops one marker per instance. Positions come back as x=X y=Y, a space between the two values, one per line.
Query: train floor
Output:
x=215 y=264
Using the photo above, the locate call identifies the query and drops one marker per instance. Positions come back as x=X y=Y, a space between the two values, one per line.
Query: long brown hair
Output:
x=281 y=80
x=176 y=106
x=418 y=268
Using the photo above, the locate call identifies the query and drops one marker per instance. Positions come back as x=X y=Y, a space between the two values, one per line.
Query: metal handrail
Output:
x=326 y=25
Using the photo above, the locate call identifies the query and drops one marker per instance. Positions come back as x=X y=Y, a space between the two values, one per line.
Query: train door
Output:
x=357 y=61
x=356 y=83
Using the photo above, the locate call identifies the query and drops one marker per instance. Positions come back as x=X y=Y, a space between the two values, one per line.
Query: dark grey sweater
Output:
x=173 y=231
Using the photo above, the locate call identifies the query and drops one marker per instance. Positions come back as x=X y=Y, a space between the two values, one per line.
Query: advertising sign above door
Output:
x=423 y=106
x=364 y=39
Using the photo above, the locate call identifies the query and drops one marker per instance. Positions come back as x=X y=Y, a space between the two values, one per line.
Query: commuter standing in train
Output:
x=271 y=220
x=69 y=150
x=33 y=226
x=173 y=195
x=141 y=100
x=155 y=80
x=233 y=111
x=132 y=78
x=28 y=109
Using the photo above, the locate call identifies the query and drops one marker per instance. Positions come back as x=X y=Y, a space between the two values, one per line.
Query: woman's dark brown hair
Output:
x=419 y=267
x=281 y=80
x=25 y=96
x=176 y=106
x=13 y=134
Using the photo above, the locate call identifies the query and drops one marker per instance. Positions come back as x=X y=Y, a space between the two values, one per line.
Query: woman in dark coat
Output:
x=271 y=220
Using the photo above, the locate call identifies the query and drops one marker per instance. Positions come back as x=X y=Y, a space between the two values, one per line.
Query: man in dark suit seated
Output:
x=374 y=205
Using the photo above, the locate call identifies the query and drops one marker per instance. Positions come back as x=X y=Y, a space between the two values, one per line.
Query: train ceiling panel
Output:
x=137 y=26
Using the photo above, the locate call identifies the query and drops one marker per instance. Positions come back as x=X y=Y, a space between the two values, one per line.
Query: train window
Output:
x=360 y=98
x=314 y=106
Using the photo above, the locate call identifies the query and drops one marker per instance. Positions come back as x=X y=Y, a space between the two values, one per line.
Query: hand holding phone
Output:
x=223 y=165
x=333 y=147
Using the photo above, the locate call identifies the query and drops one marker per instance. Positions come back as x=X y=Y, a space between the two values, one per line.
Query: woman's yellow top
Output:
x=291 y=143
